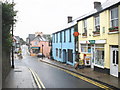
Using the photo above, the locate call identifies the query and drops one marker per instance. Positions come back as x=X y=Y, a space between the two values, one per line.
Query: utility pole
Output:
x=12 y=37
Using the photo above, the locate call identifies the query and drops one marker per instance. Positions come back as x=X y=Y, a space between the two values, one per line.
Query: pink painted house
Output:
x=39 y=45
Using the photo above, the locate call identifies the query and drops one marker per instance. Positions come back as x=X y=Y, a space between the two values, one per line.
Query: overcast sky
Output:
x=47 y=16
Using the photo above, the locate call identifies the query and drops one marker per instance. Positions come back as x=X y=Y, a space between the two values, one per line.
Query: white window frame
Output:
x=97 y=17
x=86 y=46
x=113 y=18
x=95 y=60
x=85 y=26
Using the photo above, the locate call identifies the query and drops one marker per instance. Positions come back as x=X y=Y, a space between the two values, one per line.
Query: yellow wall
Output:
x=111 y=39
x=119 y=39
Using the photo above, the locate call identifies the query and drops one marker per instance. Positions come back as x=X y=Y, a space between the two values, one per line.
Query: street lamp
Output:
x=12 y=36
x=42 y=51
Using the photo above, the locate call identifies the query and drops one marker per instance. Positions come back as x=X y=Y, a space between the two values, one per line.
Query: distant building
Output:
x=29 y=39
x=39 y=45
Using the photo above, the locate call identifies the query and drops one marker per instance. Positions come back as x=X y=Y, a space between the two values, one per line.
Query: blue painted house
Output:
x=63 y=43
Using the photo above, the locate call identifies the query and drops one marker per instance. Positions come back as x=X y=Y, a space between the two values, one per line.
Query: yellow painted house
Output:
x=99 y=44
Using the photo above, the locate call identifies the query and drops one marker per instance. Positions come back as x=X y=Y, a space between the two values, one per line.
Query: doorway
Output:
x=114 y=61
x=64 y=56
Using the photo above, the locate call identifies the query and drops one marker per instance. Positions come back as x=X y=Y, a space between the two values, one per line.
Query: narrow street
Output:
x=51 y=77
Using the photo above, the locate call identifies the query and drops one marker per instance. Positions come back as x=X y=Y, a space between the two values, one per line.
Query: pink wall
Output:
x=46 y=47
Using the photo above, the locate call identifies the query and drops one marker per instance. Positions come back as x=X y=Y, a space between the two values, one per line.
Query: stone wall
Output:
x=6 y=64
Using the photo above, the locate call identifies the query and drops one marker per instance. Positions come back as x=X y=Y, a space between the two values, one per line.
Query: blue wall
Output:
x=63 y=45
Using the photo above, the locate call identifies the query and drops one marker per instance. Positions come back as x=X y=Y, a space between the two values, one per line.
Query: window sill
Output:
x=96 y=35
x=98 y=66
x=85 y=52
x=116 y=32
x=84 y=36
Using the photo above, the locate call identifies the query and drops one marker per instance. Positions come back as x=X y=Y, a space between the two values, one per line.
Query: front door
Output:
x=64 y=56
x=114 y=62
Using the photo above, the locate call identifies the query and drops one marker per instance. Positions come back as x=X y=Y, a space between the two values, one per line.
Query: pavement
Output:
x=87 y=72
x=21 y=77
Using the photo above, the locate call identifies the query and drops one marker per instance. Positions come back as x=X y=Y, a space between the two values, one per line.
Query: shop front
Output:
x=35 y=51
x=92 y=51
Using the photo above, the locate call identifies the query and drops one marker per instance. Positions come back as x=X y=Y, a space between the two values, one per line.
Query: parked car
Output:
x=40 y=55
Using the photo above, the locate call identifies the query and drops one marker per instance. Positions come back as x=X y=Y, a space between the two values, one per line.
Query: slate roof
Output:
x=104 y=6
x=39 y=38
x=31 y=37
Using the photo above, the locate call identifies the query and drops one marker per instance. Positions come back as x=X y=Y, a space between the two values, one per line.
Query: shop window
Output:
x=86 y=48
x=99 y=55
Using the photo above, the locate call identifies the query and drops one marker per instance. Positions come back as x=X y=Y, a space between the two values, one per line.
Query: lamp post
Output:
x=42 y=51
x=12 y=36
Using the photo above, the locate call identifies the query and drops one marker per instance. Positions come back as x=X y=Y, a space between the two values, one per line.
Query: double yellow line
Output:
x=37 y=79
x=84 y=78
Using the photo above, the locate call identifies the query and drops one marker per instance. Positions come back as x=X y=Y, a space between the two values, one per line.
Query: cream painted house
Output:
x=98 y=40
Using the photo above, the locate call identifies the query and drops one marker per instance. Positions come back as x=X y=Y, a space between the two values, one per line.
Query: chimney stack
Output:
x=69 y=19
x=97 y=5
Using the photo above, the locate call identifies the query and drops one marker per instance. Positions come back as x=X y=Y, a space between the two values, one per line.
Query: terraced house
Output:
x=63 y=43
x=98 y=39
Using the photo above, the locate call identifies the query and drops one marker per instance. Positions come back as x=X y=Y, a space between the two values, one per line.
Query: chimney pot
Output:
x=97 y=5
x=69 y=19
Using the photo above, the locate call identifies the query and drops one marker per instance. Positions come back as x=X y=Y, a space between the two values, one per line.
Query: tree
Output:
x=8 y=19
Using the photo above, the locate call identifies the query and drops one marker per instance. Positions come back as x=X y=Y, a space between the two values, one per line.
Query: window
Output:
x=97 y=23
x=36 y=43
x=69 y=35
x=56 y=37
x=64 y=36
x=85 y=26
x=60 y=53
x=53 y=38
x=70 y=55
x=99 y=55
x=114 y=17
x=86 y=48
x=60 y=36
x=56 y=52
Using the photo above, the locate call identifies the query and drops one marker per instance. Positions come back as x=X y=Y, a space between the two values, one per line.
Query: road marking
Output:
x=84 y=78
x=40 y=81
x=37 y=79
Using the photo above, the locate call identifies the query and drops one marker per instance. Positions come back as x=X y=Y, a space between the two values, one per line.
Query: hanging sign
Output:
x=92 y=41
x=76 y=34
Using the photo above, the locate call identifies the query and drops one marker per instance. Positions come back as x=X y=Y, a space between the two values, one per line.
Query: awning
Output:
x=35 y=47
